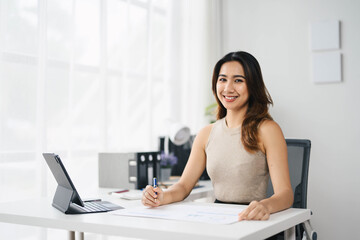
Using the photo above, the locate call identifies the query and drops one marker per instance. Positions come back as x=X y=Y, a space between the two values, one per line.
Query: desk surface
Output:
x=39 y=212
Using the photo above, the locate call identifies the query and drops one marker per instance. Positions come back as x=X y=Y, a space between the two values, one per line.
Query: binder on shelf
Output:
x=128 y=170
x=143 y=168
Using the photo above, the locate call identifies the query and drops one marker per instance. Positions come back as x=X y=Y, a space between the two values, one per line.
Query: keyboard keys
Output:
x=94 y=207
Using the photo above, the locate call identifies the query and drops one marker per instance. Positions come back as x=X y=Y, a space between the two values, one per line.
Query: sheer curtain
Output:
x=194 y=47
x=78 y=77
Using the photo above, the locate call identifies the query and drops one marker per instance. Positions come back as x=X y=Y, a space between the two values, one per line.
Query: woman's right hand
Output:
x=152 y=197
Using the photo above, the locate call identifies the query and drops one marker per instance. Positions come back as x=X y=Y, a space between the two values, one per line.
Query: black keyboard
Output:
x=94 y=207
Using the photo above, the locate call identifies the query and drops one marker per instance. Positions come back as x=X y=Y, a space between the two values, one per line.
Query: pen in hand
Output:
x=154 y=182
x=155 y=186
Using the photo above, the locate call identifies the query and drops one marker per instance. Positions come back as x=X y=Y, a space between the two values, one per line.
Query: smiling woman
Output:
x=240 y=150
x=231 y=86
x=255 y=98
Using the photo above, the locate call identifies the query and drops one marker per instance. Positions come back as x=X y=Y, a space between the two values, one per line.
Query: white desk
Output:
x=39 y=212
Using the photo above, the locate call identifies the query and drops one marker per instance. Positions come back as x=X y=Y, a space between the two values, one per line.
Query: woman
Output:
x=240 y=149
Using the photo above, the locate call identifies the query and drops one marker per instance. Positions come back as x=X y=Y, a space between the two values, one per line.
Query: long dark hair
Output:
x=259 y=97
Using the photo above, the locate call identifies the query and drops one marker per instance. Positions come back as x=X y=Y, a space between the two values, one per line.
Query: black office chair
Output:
x=298 y=158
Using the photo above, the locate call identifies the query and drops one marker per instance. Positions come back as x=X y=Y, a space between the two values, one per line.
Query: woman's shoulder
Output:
x=268 y=125
x=203 y=135
x=270 y=131
x=205 y=131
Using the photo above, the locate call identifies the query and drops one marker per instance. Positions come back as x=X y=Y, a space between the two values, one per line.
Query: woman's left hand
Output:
x=255 y=211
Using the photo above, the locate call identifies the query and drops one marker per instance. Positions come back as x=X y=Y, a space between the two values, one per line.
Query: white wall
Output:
x=277 y=33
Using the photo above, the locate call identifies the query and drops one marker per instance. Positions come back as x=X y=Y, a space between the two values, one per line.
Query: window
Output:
x=77 y=77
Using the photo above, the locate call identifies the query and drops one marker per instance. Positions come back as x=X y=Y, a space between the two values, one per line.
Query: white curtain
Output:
x=78 y=77
x=194 y=46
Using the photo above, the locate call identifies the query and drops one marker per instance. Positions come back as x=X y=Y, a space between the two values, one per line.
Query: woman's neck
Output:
x=234 y=119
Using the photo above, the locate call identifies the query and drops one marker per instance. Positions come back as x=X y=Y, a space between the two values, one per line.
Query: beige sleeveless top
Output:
x=237 y=175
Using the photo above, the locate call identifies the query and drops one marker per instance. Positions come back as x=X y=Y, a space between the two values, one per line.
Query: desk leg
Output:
x=80 y=236
x=71 y=235
x=289 y=234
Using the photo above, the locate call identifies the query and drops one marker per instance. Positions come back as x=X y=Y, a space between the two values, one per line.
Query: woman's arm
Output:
x=194 y=168
x=273 y=144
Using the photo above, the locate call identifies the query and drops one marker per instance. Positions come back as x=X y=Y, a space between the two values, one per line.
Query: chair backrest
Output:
x=298 y=158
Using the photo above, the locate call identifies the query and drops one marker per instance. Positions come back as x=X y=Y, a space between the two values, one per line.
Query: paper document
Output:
x=187 y=212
